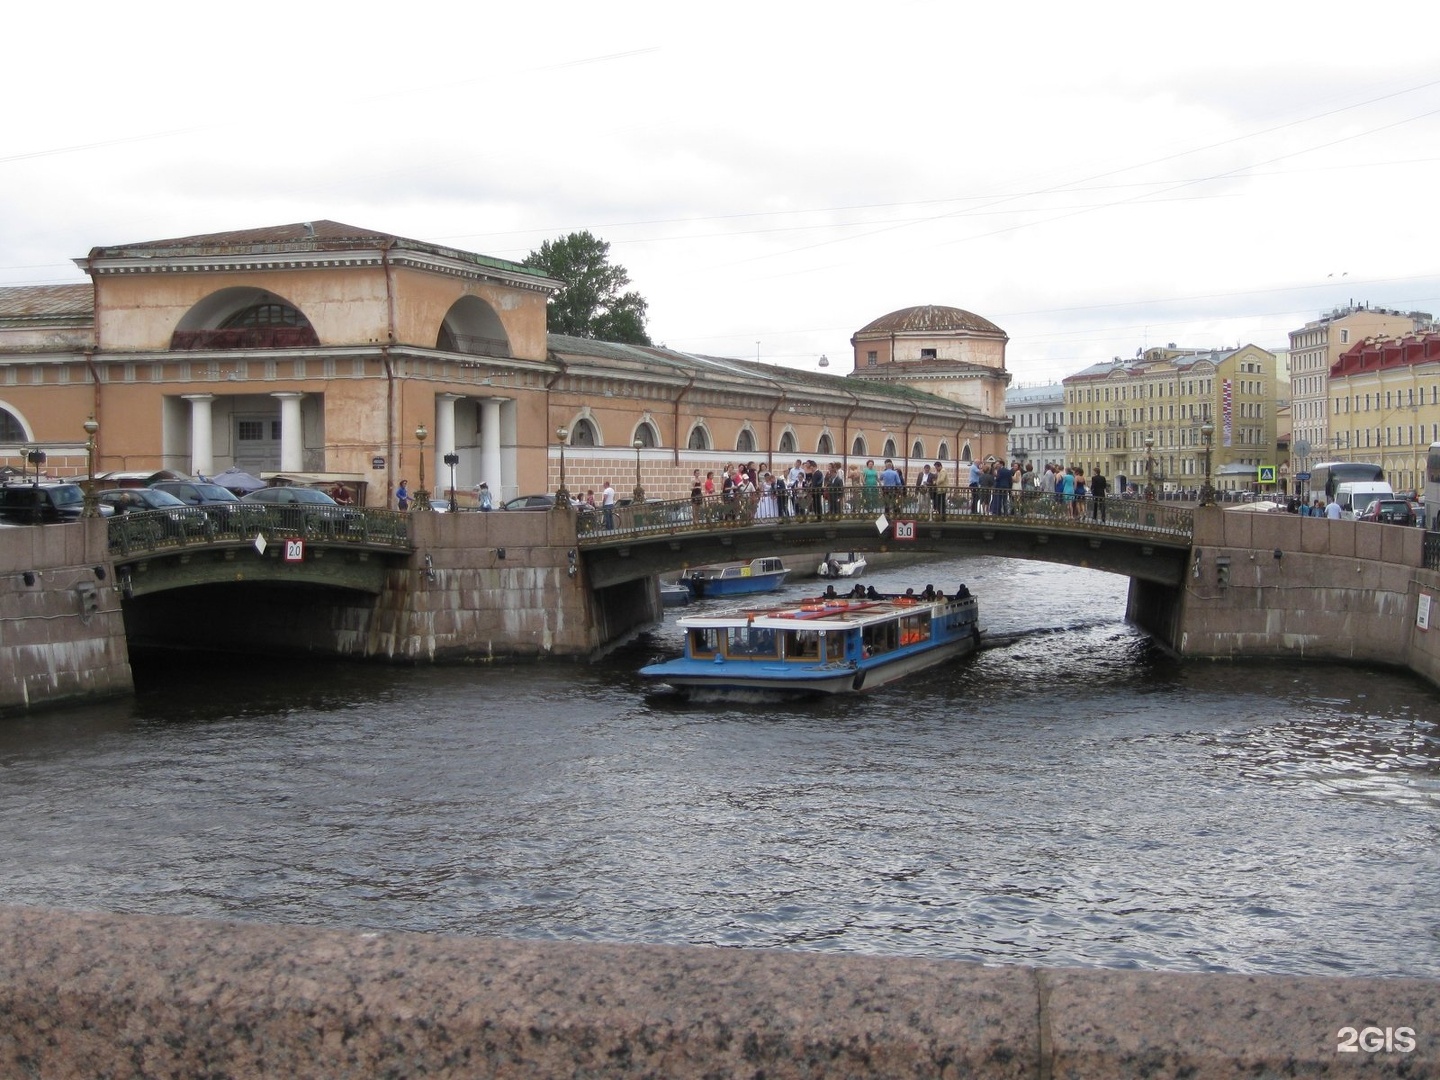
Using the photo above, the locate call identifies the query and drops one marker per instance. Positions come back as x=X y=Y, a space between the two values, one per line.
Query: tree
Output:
x=590 y=303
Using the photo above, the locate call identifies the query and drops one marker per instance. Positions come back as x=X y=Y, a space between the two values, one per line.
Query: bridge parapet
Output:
x=719 y=514
x=139 y=534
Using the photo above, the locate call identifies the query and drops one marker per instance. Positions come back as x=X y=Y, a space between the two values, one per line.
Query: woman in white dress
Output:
x=766 y=507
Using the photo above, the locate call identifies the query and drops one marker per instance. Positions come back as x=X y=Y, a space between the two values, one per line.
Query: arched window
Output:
x=943 y=454
x=271 y=314
x=965 y=453
x=918 y=450
x=857 y=448
x=699 y=439
x=745 y=442
x=825 y=445
x=583 y=434
x=11 y=430
x=243 y=318
x=787 y=443
x=889 y=450
x=645 y=436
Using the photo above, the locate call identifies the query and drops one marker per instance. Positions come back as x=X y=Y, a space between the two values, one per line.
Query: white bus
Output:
x=1326 y=478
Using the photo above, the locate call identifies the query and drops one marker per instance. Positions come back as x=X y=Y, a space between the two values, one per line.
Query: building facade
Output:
x=322 y=353
x=1314 y=350
x=1142 y=419
x=1037 y=424
x=1384 y=405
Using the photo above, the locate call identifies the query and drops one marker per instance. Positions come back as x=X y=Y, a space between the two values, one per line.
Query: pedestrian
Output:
x=977 y=473
x=939 y=481
x=870 y=482
x=402 y=495
x=890 y=487
x=483 y=497
x=697 y=495
x=607 y=504
x=1332 y=509
x=1098 y=487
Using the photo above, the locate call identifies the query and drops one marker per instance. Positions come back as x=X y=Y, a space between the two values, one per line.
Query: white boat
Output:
x=849 y=565
x=820 y=646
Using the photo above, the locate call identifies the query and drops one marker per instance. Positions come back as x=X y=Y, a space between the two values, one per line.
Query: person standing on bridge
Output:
x=402 y=495
x=607 y=503
x=1098 y=487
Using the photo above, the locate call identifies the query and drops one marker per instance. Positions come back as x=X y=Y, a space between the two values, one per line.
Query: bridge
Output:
x=339 y=547
x=1145 y=540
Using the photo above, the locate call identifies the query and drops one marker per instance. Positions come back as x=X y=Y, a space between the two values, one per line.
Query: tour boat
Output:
x=820 y=646
x=735 y=579
x=834 y=565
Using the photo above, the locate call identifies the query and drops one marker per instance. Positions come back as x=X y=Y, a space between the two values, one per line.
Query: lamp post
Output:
x=1207 y=490
x=422 y=496
x=562 y=493
x=637 y=497
x=91 y=428
x=1149 y=468
x=452 y=460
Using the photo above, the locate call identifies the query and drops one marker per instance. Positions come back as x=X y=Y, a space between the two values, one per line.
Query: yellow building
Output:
x=328 y=354
x=1141 y=419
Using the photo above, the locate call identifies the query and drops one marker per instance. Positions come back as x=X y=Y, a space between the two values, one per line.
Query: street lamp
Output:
x=1149 y=468
x=637 y=497
x=562 y=493
x=452 y=459
x=421 y=495
x=1207 y=490
x=91 y=428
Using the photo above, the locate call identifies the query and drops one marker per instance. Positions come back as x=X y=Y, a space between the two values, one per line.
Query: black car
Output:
x=221 y=504
x=43 y=504
x=168 y=515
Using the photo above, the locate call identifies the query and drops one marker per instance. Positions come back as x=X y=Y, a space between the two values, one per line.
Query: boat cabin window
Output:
x=880 y=637
x=802 y=644
x=751 y=641
x=704 y=642
x=914 y=629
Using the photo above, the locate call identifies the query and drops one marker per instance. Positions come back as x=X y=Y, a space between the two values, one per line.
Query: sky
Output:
x=1095 y=179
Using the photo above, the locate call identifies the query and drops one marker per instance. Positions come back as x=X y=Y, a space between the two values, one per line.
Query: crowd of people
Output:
x=745 y=491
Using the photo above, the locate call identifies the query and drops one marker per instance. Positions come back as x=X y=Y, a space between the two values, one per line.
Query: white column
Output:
x=292 y=434
x=445 y=425
x=490 y=469
x=202 y=436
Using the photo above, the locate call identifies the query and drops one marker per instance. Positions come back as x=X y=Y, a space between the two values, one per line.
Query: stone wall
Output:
x=62 y=635
x=1280 y=585
x=86 y=995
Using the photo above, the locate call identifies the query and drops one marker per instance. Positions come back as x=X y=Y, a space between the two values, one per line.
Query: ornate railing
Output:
x=142 y=532
x=1117 y=515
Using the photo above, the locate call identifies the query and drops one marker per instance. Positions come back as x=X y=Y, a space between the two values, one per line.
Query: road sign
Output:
x=294 y=550
x=904 y=530
x=1267 y=474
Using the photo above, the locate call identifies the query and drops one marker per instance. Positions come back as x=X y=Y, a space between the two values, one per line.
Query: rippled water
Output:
x=1070 y=797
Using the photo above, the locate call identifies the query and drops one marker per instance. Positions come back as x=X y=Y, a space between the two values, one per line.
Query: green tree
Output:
x=590 y=304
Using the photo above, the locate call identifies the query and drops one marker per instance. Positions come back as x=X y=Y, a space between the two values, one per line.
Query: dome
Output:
x=930 y=318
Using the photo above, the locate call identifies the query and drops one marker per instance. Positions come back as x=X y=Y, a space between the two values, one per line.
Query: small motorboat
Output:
x=835 y=565
x=673 y=594
x=735 y=579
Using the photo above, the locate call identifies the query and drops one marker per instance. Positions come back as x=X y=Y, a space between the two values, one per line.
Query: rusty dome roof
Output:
x=930 y=318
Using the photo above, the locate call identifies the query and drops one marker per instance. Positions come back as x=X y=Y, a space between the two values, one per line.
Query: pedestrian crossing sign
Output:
x=1267 y=474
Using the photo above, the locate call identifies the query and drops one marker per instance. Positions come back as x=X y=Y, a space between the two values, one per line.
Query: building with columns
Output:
x=325 y=354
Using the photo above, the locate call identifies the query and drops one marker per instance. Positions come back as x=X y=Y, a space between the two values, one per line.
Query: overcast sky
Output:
x=1094 y=178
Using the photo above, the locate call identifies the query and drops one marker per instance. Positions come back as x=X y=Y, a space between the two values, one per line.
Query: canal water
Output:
x=1071 y=796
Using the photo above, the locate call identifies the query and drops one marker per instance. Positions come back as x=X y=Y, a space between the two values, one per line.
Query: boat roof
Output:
x=841 y=614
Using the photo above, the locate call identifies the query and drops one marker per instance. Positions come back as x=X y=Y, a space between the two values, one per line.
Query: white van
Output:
x=1356 y=496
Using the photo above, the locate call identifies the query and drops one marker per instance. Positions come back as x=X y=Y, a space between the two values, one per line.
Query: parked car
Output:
x=170 y=516
x=221 y=504
x=1389 y=512
x=304 y=510
x=529 y=502
x=42 y=504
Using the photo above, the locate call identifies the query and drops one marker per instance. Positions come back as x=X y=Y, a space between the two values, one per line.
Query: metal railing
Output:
x=141 y=532
x=961 y=505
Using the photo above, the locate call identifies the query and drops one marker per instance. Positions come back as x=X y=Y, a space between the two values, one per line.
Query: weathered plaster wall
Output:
x=62 y=636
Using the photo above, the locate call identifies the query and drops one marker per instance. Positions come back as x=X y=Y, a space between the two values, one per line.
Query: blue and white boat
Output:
x=820 y=646
x=735 y=579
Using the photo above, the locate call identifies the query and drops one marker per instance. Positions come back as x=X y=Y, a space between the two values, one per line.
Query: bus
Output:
x=1327 y=477
x=1432 y=487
